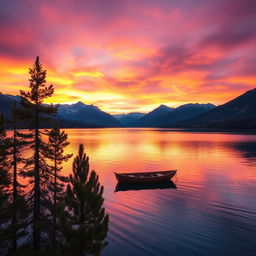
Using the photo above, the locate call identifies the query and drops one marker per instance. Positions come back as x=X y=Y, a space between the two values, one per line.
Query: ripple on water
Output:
x=212 y=211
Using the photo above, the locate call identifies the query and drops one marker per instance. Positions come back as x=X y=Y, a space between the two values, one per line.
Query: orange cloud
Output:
x=131 y=56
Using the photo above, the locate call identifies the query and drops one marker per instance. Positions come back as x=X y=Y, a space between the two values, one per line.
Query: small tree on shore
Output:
x=5 y=182
x=54 y=151
x=18 y=210
x=87 y=226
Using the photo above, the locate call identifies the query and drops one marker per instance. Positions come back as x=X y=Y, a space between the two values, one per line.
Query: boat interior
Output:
x=147 y=174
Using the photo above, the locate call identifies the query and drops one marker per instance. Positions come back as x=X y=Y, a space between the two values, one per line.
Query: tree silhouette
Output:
x=54 y=151
x=87 y=226
x=34 y=112
x=4 y=184
x=70 y=221
x=17 y=209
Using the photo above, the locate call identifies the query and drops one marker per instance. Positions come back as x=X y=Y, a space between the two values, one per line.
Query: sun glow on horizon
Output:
x=131 y=57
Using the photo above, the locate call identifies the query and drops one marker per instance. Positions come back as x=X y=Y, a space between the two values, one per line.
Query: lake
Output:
x=209 y=210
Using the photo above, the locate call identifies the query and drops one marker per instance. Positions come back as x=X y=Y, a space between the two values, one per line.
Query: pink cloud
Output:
x=152 y=50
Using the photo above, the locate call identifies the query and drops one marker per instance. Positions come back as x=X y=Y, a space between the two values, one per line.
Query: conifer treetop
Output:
x=37 y=83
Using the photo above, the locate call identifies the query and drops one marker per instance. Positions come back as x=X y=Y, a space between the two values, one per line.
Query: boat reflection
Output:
x=145 y=186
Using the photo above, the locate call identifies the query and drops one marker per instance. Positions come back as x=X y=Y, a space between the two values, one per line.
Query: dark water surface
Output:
x=209 y=210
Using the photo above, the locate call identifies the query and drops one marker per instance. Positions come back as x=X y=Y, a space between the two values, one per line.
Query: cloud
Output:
x=131 y=55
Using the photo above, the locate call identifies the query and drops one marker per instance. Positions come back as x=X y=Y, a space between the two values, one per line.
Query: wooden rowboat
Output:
x=145 y=177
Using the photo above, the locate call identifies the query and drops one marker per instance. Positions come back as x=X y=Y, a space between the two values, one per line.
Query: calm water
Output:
x=212 y=210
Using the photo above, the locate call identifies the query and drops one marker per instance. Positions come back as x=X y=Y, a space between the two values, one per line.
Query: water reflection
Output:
x=144 y=186
x=246 y=149
x=213 y=211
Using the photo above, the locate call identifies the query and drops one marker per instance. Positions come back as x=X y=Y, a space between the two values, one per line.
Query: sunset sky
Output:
x=131 y=55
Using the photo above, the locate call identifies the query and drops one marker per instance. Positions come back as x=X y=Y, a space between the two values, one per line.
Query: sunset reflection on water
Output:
x=144 y=149
x=211 y=212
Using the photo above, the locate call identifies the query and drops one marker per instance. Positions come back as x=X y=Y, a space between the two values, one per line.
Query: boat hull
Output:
x=121 y=186
x=145 y=177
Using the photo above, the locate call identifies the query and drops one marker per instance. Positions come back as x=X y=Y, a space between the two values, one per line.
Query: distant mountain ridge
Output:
x=128 y=119
x=87 y=113
x=6 y=104
x=78 y=115
x=164 y=116
x=148 y=119
x=237 y=113
x=183 y=112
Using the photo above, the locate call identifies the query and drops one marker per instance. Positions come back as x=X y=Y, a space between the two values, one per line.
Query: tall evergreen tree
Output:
x=87 y=226
x=54 y=151
x=34 y=112
x=17 y=210
x=4 y=184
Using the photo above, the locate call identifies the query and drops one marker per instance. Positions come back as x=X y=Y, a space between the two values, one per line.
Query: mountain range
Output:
x=78 y=115
x=148 y=119
x=165 y=116
x=237 y=113
x=128 y=119
x=89 y=114
x=6 y=103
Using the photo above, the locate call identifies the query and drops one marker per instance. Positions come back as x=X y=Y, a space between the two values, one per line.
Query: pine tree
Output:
x=34 y=112
x=54 y=151
x=85 y=223
x=4 y=184
x=17 y=210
